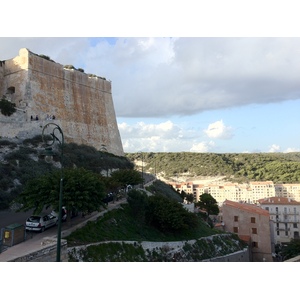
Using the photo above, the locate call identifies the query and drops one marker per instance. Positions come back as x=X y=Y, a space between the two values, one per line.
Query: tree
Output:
x=291 y=250
x=7 y=108
x=82 y=189
x=209 y=204
x=169 y=215
x=138 y=200
x=126 y=177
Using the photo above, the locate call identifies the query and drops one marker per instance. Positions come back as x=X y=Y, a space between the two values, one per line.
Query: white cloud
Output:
x=218 y=130
x=154 y=77
x=274 y=148
x=291 y=150
x=202 y=147
x=186 y=76
x=162 y=137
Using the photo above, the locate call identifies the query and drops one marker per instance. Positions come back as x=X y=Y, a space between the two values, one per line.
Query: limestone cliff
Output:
x=81 y=104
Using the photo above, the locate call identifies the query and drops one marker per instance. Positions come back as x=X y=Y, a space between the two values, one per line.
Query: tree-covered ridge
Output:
x=21 y=161
x=240 y=167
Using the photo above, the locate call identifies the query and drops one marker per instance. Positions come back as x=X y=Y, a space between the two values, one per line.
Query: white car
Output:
x=40 y=223
x=63 y=212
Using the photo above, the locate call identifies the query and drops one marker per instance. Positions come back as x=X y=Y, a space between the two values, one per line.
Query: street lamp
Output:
x=142 y=169
x=49 y=153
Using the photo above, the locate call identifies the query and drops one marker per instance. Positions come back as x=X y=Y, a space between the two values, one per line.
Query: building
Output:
x=43 y=90
x=261 y=189
x=247 y=192
x=288 y=190
x=252 y=224
x=284 y=213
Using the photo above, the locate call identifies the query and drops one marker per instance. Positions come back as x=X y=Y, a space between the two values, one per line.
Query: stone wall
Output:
x=82 y=104
x=47 y=253
x=173 y=247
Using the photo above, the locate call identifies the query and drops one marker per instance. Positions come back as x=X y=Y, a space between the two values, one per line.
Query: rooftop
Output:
x=278 y=201
x=251 y=208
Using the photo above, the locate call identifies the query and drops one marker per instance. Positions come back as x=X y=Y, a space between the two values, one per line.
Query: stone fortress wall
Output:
x=81 y=104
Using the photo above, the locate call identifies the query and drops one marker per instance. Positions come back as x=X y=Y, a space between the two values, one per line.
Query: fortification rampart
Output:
x=81 y=104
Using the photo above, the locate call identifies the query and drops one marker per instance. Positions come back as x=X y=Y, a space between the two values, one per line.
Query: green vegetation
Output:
x=238 y=167
x=155 y=218
x=83 y=190
x=121 y=225
x=22 y=162
x=202 y=249
x=7 y=108
x=69 y=67
x=46 y=57
x=127 y=177
x=159 y=187
x=209 y=204
x=291 y=249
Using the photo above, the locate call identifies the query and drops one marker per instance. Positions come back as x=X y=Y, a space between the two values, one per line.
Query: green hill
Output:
x=238 y=167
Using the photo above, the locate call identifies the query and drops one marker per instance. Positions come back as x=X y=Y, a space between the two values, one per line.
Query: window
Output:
x=235 y=229
x=254 y=244
x=267 y=208
x=295 y=225
x=254 y=230
x=252 y=219
x=236 y=218
x=11 y=90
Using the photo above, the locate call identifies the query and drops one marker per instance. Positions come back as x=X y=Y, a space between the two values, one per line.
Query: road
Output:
x=9 y=217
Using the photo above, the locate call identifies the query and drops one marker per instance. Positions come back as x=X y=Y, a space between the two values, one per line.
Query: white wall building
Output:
x=284 y=212
x=247 y=192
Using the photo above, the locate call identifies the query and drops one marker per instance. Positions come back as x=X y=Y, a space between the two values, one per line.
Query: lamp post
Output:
x=48 y=152
x=142 y=168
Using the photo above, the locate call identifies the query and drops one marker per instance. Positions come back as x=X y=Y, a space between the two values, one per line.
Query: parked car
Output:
x=63 y=212
x=40 y=223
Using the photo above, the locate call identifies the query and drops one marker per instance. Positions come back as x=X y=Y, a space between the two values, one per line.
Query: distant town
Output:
x=264 y=214
x=247 y=192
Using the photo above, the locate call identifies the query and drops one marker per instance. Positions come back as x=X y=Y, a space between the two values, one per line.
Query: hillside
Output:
x=21 y=160
x=237 y=167
x=119 y=236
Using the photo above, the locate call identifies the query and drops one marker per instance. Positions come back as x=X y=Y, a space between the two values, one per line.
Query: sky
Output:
x=198 y=93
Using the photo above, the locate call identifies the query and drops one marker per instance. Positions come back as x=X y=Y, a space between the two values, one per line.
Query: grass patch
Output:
x=119 y=225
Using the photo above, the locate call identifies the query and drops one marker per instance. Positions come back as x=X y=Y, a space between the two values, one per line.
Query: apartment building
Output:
x=261 y=189
x=252 y=224
x=248 y=192
x=288 y=190
x=284 y=213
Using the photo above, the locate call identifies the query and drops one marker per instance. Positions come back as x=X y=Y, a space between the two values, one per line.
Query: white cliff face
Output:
x=44 y=91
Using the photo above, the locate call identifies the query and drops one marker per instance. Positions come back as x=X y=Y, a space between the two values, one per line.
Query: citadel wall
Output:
x=81 y=104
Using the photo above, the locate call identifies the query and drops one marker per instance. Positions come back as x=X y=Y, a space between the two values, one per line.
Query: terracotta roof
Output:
x=260 y=182
x=245 y=238
x=247 y=207
x=278 y=201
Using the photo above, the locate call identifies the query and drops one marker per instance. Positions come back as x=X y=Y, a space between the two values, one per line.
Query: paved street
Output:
x=34 y=240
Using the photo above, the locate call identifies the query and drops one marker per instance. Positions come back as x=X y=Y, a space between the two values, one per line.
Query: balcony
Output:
x=281 y=220
x=282 y=229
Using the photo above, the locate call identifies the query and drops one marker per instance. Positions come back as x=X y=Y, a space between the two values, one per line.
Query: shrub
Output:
x=7 y=108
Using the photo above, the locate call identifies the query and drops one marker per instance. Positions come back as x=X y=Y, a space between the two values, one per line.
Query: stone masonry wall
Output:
x=47 y=253
x=82 y=104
